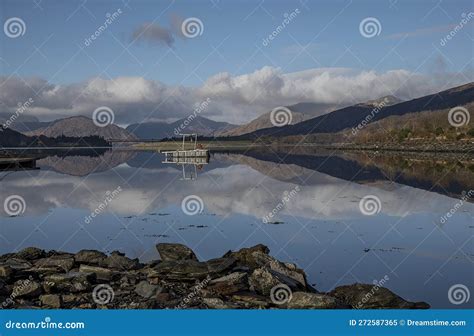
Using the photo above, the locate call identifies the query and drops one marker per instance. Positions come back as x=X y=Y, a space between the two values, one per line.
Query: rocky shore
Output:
x=249 y=278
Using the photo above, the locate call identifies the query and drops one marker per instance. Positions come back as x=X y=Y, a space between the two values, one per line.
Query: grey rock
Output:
x=72 y=282
x=229 y=284
x=189 y=270
x=26 y=288
x=90 y=257
x=118 y=261
x=175 y=252
x=5 y=271
x=366 y=296
x=59 y=262
x=18 y=264
x=304 y=300
x=262 y=280
x=30 y=253
x=146 y=290
x=51 y=301
x=216 y=303
x=100 y=272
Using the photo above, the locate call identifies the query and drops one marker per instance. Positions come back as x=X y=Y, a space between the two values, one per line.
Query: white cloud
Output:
x=236 y=99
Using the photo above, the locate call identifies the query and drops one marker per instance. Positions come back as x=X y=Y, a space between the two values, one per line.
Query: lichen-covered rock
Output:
x=249 y=279
x=71 y=282
x=101 y=273
x=5 y=271
x=62 y=263
x=147 y=290
x=263 y=280
x=120 y=262
x=246 y=256
x=90 y=257
x=304 y=300
x=188 y=270
x=26 y=288
x=175 y=252
x=51 y=301
x=364 y=296
x=229 y=284
x=216 y=303
x=30 y=253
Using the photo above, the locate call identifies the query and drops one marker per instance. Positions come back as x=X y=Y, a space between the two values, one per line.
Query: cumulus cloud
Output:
x=235 y=99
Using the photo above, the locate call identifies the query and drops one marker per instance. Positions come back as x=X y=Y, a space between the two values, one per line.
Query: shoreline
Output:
x=246 y=279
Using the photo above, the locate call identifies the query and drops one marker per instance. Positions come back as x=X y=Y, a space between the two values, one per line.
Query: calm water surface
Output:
x=315 y=199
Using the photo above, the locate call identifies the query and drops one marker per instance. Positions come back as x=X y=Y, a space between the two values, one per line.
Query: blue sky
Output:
x=236 y=28
x=324 y=34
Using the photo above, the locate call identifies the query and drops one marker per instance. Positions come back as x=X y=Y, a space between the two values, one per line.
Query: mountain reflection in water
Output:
x=321 y=226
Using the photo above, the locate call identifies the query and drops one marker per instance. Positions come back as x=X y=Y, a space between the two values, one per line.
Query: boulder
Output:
x=90 y=257
x=147 y=290
x=120 y=262
x=30 y=253
x=229 y=284
x=5 y=271
x=262 y=280
x=216 y=303
x=71 y=282
x=62 y=263
x=17 y=264
x=304 y=300
x=251 y=300
x=245 y=256
x=51 y=301
x=366 y=296
x=26 y=288
x=175 y=252
x=190 y=270
x=100 y=272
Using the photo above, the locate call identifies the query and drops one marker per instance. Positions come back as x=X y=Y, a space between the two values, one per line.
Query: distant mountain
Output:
x=299 y=113
x=81 y=127
x=160 y=130
x=21 y=122
x=11 y=138
x=352 y=116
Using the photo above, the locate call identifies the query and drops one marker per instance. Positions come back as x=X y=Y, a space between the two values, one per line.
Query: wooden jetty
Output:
x=194 y=158
x=13 y=163
x=184 y=153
